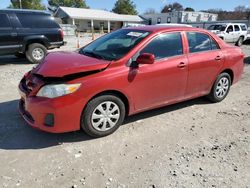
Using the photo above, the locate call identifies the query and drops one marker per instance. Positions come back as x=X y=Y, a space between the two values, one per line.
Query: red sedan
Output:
x=125 y=72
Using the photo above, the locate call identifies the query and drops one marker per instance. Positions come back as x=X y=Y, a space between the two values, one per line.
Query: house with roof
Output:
x=185 y=17
x=92 y=19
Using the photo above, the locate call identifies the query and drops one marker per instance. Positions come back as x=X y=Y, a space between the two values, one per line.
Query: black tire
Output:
x=240 y=41
x=36 y=46
x=20 y=55
x=86 y=118
x=213 y=97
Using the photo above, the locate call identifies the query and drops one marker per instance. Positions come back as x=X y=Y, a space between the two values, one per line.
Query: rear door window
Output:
x=236 y=28
x=200 y=42
x=37 y=21
x=4 y=21
x=165 y=45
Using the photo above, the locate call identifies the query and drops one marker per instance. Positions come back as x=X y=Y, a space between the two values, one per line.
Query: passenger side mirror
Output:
x=146 y=58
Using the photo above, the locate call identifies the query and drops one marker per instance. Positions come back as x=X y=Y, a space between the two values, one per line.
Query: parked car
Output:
x=126 y=72
x=28 y=33
x=230 y=32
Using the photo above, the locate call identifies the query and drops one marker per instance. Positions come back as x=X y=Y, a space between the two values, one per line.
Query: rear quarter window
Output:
x=37 y=21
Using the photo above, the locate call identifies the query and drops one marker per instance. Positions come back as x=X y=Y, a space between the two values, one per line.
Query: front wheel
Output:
x=220 y=88
x=36 y=52
x=103 y=115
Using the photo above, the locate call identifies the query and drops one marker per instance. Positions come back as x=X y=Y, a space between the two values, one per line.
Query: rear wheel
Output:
x=36 y=53
x=220 y=88
x=103 y=115
x=240 y=41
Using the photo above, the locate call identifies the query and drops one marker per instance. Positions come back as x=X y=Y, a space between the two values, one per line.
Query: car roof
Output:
x=24 y=11
x=175 y=24
x=229 y=23
x=162 y=28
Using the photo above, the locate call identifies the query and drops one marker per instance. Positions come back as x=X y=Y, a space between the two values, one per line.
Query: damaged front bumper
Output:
x=56 y=115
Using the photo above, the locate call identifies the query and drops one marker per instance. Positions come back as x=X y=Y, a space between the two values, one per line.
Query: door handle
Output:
x=13 y=34
x=218 y=58
x=181 y=65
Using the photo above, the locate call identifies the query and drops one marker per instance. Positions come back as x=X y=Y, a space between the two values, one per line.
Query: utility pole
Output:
x=20 y=3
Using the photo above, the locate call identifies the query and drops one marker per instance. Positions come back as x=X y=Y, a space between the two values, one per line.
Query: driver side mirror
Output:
x=146 y=58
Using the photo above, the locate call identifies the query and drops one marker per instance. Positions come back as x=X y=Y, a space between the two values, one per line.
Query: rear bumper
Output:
x=57 y=44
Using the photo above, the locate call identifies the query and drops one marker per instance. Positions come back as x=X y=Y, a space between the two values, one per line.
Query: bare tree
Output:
x=239 y=13
x=241 y=8
x=172 y=7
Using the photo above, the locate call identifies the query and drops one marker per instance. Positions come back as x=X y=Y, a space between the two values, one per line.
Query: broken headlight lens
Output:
x=57 y=90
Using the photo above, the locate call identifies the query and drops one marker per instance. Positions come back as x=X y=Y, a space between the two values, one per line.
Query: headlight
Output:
x=57 y=90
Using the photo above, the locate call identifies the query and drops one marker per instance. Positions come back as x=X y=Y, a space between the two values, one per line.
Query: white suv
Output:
x=230 y=32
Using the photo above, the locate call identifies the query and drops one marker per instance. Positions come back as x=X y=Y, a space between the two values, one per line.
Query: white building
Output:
x=180 y=17
x=87 y=20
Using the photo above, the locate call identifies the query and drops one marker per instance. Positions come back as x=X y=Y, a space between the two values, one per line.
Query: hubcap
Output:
x=38 y=53
x=105 y=116
x=222 y=87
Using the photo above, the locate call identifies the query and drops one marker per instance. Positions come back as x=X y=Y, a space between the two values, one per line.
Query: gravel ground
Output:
x=82 y=40
x=191 y=144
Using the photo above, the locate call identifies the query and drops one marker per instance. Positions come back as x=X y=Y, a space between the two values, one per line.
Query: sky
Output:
x=143 y=5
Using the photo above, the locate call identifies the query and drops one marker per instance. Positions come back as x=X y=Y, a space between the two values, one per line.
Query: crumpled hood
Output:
x=59 y=64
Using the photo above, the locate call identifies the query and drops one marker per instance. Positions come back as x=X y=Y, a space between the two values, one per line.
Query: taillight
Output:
x=62 y=34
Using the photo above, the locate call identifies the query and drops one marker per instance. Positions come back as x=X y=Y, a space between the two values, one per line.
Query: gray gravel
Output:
x=191 y=144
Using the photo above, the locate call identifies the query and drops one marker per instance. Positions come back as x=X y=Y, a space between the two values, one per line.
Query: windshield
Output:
x=115 y=45
x=217 y=27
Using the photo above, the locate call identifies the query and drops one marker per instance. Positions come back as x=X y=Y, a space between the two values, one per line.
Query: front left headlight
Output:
x=57 y=90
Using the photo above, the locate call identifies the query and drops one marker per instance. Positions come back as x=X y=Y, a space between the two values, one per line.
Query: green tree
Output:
x=189 y=9
x=68 y=3
x=27 y=4
x=125 y=7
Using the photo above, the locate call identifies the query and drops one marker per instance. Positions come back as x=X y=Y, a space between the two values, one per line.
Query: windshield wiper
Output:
x=92 y=54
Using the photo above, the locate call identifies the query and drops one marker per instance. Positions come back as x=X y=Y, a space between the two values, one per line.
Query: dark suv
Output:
x=28 y=33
